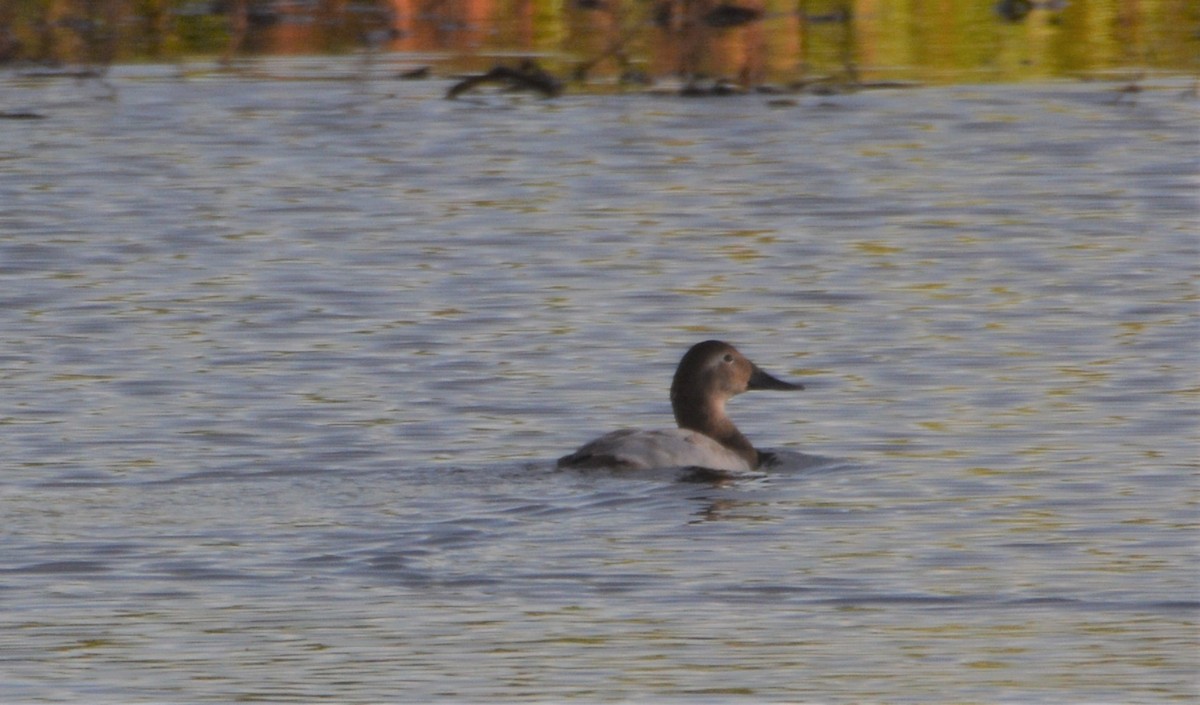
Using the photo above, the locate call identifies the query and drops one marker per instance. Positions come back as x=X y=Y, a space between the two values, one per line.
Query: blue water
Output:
x=287 y=357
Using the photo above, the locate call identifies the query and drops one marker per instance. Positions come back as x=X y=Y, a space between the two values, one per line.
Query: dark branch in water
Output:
x=415 y=74
x=528 y=76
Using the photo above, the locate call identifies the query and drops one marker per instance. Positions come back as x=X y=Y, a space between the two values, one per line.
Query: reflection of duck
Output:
x=709 y=374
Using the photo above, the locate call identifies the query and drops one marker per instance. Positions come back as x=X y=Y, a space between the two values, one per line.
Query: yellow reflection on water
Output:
x=781 y=41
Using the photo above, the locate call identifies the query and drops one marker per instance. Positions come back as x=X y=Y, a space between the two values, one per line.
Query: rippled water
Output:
x=286 y=364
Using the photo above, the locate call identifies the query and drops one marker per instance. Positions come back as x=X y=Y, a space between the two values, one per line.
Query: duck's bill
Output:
x=762 y=380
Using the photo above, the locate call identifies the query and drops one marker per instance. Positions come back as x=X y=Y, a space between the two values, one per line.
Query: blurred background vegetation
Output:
x=746 y=41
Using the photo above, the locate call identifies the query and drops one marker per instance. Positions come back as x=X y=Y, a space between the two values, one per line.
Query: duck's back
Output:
x=630 y=449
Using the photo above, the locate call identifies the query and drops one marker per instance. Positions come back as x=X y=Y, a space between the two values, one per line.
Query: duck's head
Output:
x=715 y=371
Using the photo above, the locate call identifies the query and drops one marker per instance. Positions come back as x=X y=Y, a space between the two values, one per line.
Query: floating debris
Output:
x=527 y=76
x=635 y=77
x=1014 y=10
x=21 y=115
x=417 y=74
x=710 y=89
x=1017 y=10
x=841 y=15
x=729 y=15
x=56 y=72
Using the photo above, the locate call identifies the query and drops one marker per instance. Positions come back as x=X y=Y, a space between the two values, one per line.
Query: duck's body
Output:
x=708 y=375
x=632 y=449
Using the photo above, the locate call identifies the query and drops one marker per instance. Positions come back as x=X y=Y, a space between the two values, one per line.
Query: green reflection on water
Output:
x=788 y=41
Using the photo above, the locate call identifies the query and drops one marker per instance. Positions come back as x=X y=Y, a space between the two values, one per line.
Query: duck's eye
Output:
x=728 y=358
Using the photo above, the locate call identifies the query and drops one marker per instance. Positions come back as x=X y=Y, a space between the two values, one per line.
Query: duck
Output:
x=709 y=374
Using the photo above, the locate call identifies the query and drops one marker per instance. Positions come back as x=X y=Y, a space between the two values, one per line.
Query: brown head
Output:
x=709 y=374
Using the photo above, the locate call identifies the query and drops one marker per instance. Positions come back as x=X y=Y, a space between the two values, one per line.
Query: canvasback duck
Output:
x=709 y=374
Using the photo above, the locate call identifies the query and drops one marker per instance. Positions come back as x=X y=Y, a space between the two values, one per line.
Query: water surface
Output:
x=286 y=364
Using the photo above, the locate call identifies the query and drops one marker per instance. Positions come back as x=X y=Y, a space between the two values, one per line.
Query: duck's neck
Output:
x=707 y=416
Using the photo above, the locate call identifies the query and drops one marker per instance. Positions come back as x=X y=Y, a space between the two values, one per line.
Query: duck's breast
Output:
x=630 y=449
